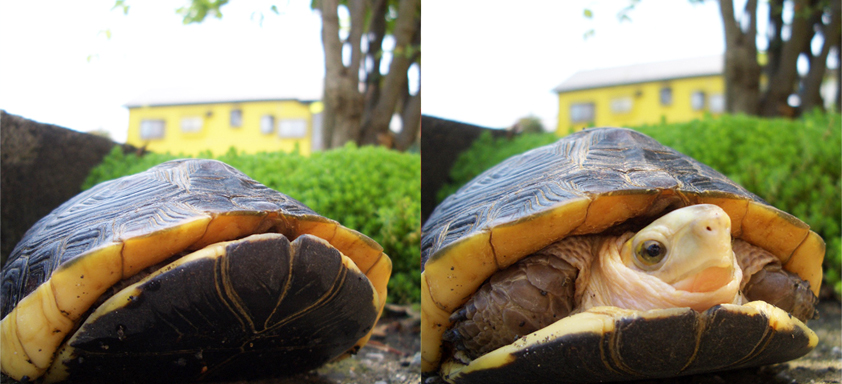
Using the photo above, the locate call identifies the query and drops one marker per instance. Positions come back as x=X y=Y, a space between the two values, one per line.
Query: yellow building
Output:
x=672 y=91
x=192 y=121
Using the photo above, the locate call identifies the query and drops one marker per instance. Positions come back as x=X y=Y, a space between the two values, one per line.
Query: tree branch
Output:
x=810 y=91
x=751 y=11
x=783 y=81
x=405 y=27
x=411 y=122
x=330 y=35
x=776 y=22
x=357 y=9
x=732 y=29
x=376 y=32
x=742 y=72
x=342 y=99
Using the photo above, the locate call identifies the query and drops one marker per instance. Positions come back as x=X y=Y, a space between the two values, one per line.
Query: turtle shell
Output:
x=214 y=302
x=589 y=182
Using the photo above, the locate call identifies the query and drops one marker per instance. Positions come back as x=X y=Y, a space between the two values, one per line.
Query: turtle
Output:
x=189 y=271
x=607 y=256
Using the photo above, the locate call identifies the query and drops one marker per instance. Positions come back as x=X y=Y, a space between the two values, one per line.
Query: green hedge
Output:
x=486 y=152
x=372 y=190
x=792 y=164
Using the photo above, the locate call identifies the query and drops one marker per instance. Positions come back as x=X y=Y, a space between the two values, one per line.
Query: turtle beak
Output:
x=703 y=260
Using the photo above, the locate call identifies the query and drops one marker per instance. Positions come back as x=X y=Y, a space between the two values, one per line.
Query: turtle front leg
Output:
x=525 y=297
x=766 y=280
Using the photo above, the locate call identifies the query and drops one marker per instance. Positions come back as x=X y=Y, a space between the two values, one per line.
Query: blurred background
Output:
x=502 y=64
x=133 y=70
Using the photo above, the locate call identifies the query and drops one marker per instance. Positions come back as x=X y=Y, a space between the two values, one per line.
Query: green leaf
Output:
x=122 y=5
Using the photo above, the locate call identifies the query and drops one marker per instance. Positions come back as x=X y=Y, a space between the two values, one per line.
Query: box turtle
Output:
x=607 y=256
x=188 y=271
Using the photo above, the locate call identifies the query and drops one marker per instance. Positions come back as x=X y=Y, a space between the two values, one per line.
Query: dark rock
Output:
x=441 y=143
x=42 y=166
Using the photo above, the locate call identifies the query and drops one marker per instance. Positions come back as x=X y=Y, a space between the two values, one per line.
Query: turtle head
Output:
x=689 y=249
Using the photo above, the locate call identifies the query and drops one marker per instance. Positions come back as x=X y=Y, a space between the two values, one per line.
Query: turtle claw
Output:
x=459 y=315
x=453 y=336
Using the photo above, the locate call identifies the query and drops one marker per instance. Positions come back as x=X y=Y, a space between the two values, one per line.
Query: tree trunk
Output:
x=328 y=121
x=742 y=72
x=363 y=115
x=411 y=122
x=411 y=116
x=377 y=123
x=342 y=99
x=374 y=79
x=810 y=94
x=783 y=81
x=776 y=43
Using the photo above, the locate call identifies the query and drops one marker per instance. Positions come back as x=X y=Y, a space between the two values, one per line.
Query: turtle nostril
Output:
x=708 y=228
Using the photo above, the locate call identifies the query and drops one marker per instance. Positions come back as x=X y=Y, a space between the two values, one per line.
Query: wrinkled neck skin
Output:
x=613 y=283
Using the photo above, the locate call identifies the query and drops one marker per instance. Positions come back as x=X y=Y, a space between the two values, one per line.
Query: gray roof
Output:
x=641 y=73
x=220 y=94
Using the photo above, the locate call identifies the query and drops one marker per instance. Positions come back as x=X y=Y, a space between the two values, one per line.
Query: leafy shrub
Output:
x=372 y=190
x=792 y=164
x=486 y=152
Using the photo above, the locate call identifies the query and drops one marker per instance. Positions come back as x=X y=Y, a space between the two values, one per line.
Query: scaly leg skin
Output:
x=766 y=280
x=527 y=296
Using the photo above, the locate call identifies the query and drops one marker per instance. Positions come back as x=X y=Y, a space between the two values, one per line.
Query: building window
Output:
x=666 y=96
x=717 y=103
x=267 y=124
x=621 y=105
x=151 y=129
x=292 y=128
x=581 y=112
x=697 y=100
x=191 y=124
x=236 y=118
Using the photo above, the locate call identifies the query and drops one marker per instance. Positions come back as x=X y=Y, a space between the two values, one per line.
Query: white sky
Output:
x=490 y=63
x=45 y=74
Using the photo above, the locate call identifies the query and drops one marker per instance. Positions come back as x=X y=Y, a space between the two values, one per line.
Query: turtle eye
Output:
x=650 y=252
